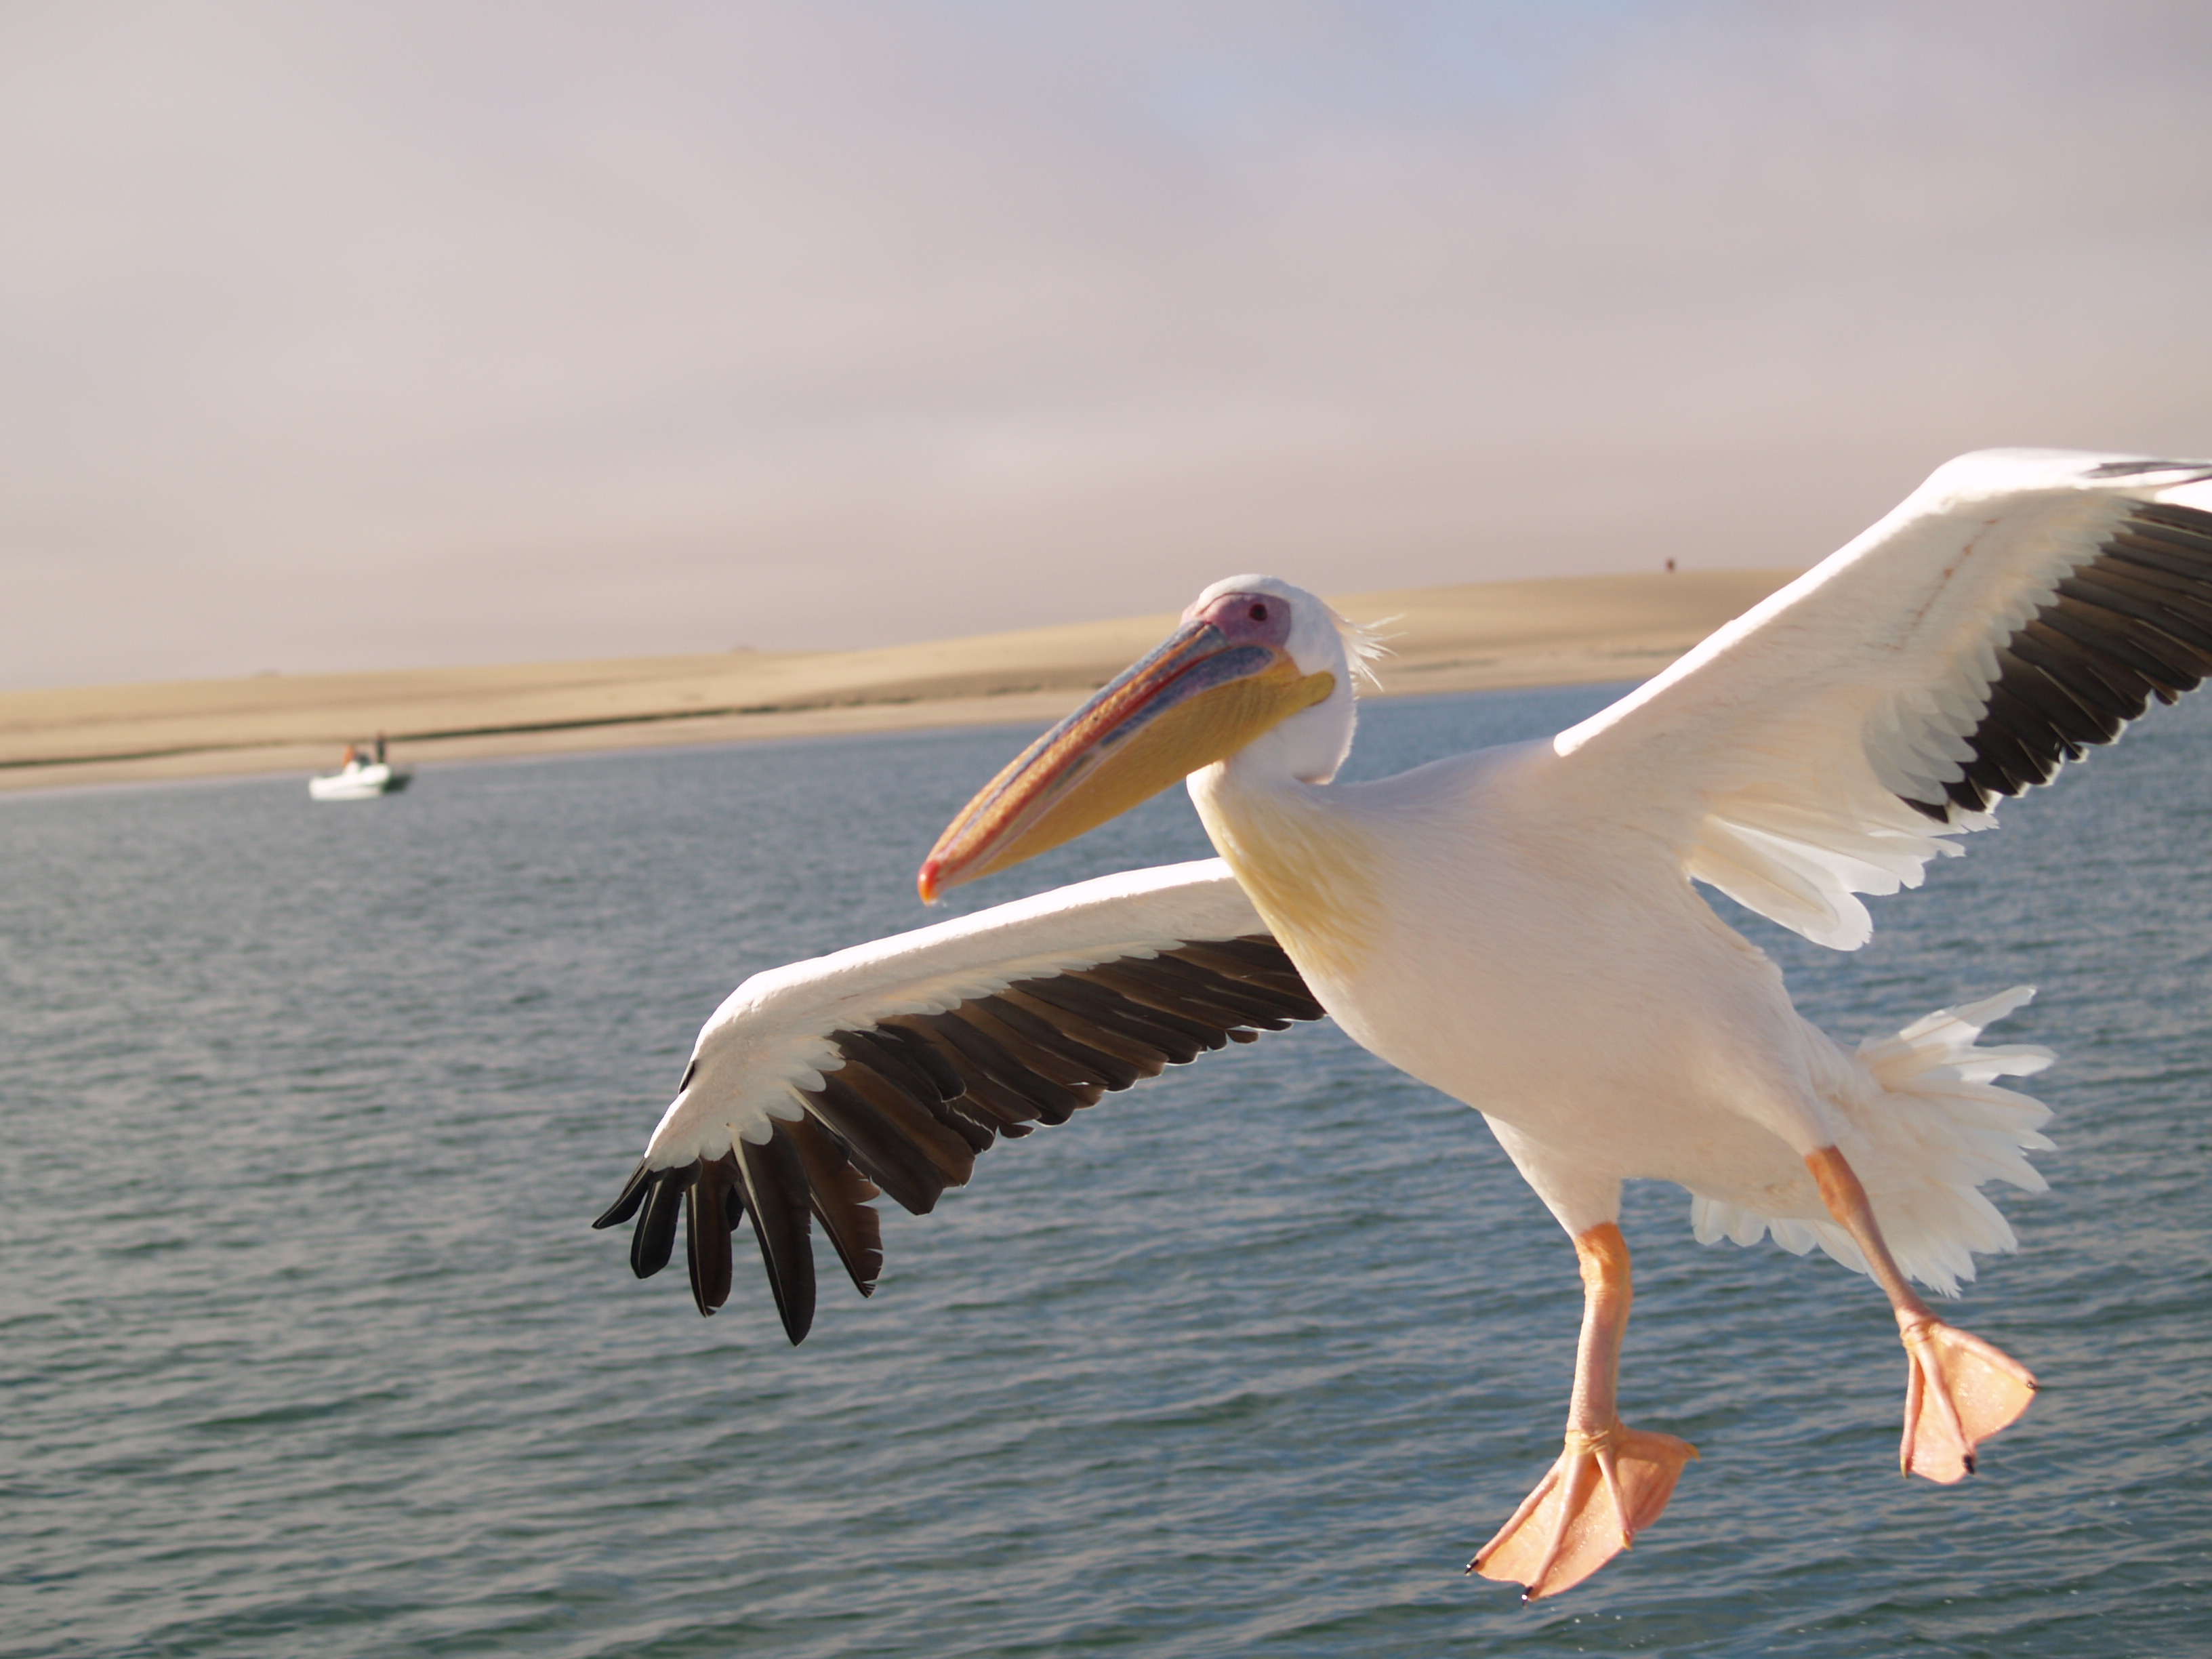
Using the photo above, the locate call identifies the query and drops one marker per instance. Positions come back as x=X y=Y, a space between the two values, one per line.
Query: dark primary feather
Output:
x=655 y=1238
x=632 y=1195
x=919 y=1095
x=2184 y=471
x=706 y=1218
x=2132 y=623
x=778 y=1197
x=840 y=1195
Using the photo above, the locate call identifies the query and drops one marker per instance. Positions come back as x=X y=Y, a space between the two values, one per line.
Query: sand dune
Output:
x=1557 y=631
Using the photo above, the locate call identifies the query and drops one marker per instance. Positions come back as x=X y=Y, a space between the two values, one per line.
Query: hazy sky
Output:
x=393 y=334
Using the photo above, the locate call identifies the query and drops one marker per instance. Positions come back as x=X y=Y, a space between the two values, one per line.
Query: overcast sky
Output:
x=397 y=334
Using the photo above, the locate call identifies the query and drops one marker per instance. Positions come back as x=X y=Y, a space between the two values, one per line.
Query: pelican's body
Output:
x=1518 y=928
x=1655 y=1043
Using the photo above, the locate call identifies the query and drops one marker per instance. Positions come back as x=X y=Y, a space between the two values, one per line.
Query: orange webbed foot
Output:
x=1958 y=1391
x=1605 y=1489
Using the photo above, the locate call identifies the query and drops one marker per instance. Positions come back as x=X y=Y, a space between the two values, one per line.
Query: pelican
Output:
x=1520 y=927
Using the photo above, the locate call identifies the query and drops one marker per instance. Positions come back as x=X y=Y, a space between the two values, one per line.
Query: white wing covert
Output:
x=887 y=1067
x=2018 y=607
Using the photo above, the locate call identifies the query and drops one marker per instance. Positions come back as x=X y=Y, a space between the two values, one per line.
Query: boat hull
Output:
x=359 y=783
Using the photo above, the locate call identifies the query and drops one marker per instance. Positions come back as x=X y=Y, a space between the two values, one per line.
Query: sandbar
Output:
x=1552 y=631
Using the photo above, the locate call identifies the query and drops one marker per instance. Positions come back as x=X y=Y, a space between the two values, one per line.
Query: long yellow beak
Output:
x=1198 y=697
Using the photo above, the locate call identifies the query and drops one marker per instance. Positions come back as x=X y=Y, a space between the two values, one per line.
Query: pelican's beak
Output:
x=1202 y=694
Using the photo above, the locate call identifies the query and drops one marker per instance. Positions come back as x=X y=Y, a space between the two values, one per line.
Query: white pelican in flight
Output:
x=1519 y=928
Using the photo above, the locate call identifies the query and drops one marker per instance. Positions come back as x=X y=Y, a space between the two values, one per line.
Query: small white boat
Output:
x=358 y=781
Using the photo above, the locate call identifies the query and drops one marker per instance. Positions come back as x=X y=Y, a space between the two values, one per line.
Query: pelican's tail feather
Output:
x=1923 y=1125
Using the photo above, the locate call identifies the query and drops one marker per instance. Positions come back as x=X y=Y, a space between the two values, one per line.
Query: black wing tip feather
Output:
x=2193 y=471
x=626 y=1203
x=777 y=1192
x=768 y=1185
x=707 y=1221
x=2131 y=624
x=919 y=1095
x=654 y=1241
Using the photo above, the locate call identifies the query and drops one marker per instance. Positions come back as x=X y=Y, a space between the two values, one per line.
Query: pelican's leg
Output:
x=1611 y=1481
x=1958 y=1390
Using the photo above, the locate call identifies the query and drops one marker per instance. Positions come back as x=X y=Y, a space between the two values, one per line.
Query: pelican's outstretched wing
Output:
x=2019 y=606
x=888 y=1066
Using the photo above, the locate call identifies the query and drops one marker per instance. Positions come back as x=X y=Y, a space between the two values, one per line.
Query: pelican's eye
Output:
x=1258 y=613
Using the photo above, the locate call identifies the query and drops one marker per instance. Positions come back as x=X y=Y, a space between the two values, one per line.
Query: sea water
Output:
x=306 y=1347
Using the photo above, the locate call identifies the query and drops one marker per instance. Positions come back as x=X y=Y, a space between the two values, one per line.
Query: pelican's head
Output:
x=1257 y=669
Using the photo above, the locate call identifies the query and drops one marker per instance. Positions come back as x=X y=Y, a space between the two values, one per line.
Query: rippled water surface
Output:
x=306 y=1347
